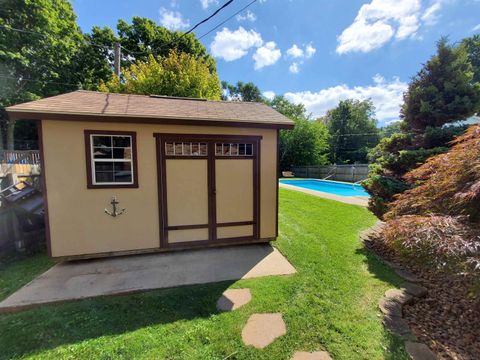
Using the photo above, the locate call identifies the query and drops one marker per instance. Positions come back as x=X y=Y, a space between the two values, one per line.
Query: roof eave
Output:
x=17 y=114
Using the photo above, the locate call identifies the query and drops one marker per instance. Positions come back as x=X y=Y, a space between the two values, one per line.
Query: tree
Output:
x=353 y=130
x=140 y=39
x=392 y=128
x=93 y=62
x=35 y=62
x=178 y=74
x=472 y=45
x=242 y=92
x=306 y=143
x=444 y=89
x=144 y=37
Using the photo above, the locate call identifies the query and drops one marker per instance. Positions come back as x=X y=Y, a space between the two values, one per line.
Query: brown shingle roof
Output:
x=124 y=107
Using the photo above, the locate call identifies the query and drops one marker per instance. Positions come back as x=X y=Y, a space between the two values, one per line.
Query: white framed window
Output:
x=112 y=159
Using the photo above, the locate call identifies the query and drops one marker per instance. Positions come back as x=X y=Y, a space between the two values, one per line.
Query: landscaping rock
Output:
x=399 y=295
x=317 y=355
x=390 y=307
x=414 y=289
x=398 y=326
x=232 y=299
x=418 y=351
x=407 y=275
x=392 y=265
x=262 y=329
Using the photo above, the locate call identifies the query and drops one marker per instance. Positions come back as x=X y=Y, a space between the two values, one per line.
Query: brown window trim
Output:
x=88 y=158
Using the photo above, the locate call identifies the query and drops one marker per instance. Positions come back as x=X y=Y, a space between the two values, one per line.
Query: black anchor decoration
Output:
x=115 y=212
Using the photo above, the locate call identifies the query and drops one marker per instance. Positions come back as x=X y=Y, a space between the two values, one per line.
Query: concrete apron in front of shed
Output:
x=122 y=275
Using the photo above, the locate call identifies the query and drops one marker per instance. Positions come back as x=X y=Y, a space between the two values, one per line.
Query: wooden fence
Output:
x=16 y=165
x=348 y=173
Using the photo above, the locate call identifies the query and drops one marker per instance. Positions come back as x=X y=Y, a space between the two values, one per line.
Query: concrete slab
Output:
x=233 y=299
x=120 y=275
x=316 y=355
x=262 y=329
x=352 y=200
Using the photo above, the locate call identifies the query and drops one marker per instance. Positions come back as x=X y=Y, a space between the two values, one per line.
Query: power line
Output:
x=227 y=19
x=194 y=27
x=208 y=18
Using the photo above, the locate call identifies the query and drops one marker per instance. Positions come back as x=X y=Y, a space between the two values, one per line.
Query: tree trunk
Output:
x=10 y=135
x=1 y=137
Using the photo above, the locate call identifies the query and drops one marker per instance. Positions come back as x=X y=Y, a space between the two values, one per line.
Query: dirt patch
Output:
x=447 y=318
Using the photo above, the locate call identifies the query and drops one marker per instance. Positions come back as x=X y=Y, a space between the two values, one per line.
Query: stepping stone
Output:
x=317 y=355
x=390 y=307
x=399 y=295
x=398 y=326
x=414 y=289
x=407 y=275
x=418 y=351
x=262 y=329
x=232 y=299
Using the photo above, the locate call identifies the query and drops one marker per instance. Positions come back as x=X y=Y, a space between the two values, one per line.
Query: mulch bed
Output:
x=448 y=318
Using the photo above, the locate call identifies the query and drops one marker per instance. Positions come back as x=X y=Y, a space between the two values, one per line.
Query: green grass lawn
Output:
x=330 y=304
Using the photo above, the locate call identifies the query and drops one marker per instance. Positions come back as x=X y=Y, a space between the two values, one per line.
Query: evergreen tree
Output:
x=444 y=90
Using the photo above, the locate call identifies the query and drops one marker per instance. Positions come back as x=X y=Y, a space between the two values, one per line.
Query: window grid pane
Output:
x=185 y=148
x=112 y=159
x=233 y=149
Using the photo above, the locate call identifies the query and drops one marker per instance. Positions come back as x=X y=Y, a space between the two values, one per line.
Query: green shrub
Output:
x=382 y=190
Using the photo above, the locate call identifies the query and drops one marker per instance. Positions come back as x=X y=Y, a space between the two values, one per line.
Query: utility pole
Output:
x=117 y=54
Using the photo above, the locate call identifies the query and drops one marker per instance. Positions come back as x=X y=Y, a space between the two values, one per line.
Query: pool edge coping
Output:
x=352 y=200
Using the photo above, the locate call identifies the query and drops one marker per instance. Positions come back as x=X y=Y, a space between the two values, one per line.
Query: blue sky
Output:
x=314 y=51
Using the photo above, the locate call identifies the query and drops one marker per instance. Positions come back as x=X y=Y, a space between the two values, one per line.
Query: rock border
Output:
x=391 y=305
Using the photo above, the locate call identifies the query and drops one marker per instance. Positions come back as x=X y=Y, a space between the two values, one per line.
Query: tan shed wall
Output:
x=78 y=224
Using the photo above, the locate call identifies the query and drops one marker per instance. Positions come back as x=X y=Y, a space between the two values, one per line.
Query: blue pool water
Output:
x=331 y=187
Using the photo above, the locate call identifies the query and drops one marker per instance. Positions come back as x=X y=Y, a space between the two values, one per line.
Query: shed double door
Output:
x=208 y=189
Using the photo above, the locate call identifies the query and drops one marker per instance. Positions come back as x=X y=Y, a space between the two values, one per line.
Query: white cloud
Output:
x=476 y=28
x=207 y=3
x=382 y=20
x=266 y=55
x=232 y=45
x=269 y=95
x=294 y=68
x=310 y=51
x=386 y=96
x=250 y=16
x=172 y=20
x=295 y=52
x=430 y=16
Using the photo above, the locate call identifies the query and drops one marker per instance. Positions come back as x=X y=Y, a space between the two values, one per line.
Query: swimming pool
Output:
x=332 y=187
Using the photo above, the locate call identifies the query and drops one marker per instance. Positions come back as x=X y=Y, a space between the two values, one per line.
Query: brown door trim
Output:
x=211 y=157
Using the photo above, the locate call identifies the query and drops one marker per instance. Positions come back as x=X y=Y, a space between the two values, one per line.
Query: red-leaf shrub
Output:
x=441 y=241
x=437 y=221
x=447 y=184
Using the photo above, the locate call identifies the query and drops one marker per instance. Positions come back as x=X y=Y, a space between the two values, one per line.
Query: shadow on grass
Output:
x=44 y=328
x=395 y=348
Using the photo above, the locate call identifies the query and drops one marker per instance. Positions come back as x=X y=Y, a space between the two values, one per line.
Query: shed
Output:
x=127 y=174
